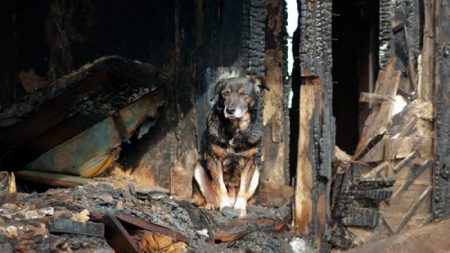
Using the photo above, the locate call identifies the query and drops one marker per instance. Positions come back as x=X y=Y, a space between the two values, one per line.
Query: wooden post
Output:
x=276 y=133
x=306 y=164
x=441 y=170
x=316 y=130
x=426 y=79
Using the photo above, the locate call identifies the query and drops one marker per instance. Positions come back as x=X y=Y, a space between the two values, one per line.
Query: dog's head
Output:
x=238 y=95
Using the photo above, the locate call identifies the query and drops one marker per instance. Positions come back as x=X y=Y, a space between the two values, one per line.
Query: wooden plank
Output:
x=310 y=97
x=117 y=236
x=414 y=173
x=406 y=161
x=426 y=79
x=375 y=153
x=413 y=209
x=361 y=217
x=275 y=112
x=401 y=147
x=374 y=98
x=441 y=173
x=54 y=179
x=377 y=121
x=429 y=238
x=68 y=226
x=374 y=172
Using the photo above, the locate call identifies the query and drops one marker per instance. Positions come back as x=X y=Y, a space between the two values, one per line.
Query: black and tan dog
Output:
x=233 y=135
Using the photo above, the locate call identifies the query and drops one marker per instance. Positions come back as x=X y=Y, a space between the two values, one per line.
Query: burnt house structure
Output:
x=136 y=79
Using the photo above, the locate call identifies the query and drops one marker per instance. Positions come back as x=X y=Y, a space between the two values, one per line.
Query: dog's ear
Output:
x=217 y=89
x=260 y=83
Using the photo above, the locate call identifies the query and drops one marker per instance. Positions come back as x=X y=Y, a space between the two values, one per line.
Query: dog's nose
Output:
x=230 y=110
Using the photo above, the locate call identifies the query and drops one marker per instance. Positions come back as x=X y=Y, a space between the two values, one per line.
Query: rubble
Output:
x=76 y=124
x=93 y=218
x=429 y=238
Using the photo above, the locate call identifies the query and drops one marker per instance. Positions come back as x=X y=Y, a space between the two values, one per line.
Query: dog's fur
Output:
x=233 y=135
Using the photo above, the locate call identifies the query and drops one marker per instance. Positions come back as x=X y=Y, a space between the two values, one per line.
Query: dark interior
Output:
x=355 y=65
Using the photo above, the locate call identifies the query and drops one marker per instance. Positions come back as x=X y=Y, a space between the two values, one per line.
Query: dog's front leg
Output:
x=248 y=184
x=216 y=169
x=206 y=186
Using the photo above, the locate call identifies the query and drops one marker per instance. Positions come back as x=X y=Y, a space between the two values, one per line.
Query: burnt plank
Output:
x=375 y=183
x=426 y=79
x=306 y=159
x=276 y=131
x=68 y=226
x=117 y=236
x=441 y=180
x=361 y=217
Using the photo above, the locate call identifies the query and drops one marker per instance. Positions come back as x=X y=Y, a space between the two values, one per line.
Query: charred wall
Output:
x=45 y=40
x=193 y=42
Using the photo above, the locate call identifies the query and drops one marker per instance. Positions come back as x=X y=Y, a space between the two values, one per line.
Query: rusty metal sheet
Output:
x=93 y=146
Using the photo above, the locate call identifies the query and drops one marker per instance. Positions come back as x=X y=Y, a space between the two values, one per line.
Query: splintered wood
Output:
x=396 y=146
x=303 y=207
x=380 y=114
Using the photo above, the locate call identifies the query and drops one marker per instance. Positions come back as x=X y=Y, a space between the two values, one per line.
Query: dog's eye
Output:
x=225 y=93
x=243 y=95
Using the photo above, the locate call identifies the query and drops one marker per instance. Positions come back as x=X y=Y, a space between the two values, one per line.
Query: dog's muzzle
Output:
x=232 y=113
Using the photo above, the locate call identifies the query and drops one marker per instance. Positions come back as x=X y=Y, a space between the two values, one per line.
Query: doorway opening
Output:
x=355 y=65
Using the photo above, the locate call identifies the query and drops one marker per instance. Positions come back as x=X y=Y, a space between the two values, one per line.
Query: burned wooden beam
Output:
x=427 y=78
x=304 y=206
x=441 y=168
x=68 y=226
x=117 y=236
x=275 y=147
x=360 y=217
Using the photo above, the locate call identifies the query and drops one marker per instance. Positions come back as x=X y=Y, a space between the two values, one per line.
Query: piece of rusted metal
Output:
x=117 y=236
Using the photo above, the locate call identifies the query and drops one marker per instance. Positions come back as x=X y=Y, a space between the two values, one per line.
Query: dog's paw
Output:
x=241 y=212
x=226 y=202
x=210 y=206
x=240 y=206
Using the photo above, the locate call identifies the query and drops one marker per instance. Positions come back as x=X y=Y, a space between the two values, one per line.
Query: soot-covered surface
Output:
x=27 y=222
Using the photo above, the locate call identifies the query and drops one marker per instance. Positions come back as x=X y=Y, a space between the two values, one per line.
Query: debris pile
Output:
x=395 y=150
x=104 y=217
x=76 y=125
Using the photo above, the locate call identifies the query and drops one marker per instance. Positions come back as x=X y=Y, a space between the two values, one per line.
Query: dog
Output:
x=228 y=175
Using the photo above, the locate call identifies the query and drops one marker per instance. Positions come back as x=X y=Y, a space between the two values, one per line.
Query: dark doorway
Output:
x=355 y=65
